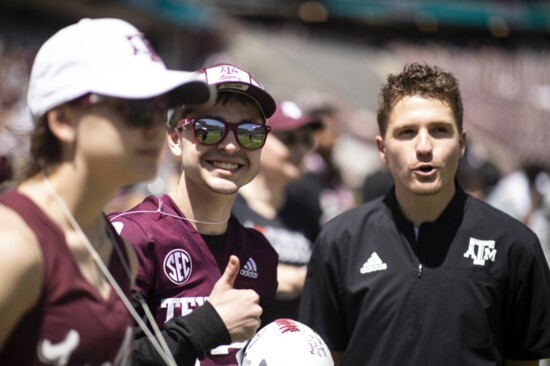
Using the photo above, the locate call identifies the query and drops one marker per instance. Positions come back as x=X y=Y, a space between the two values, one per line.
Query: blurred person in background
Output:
x=15 y=124
x=184 y=239
x=427 y=275
x=98 y=94
x=477 y=174
x=261 y=203
x=525 y=195
x=6 y=172
x=320 y=193
x=376 y=184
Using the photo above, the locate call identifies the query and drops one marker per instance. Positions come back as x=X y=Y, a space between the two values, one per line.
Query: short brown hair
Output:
x=419 y=79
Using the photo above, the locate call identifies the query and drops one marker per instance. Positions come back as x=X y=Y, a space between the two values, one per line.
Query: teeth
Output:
x=226 y=166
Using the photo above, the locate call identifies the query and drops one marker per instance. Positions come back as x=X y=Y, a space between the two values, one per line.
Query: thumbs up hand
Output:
x=239 y=309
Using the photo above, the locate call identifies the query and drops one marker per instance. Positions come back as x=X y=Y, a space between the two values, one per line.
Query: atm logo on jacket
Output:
x=481 y=251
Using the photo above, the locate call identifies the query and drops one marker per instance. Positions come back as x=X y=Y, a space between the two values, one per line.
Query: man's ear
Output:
x=174 y=142
x=381 y=149
x=61 y=125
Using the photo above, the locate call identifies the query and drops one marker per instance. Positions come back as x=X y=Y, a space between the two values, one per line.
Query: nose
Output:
x=423 y=143
x=299 y=151
x=229 y=143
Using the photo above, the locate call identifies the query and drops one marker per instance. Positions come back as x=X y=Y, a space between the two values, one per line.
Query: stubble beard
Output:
x=425 y=189
x=225 y=187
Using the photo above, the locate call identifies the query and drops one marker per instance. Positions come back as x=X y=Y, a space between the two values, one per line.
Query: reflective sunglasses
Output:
x=211 y=131
x=136 y=112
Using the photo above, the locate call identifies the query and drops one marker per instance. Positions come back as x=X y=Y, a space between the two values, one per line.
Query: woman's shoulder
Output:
x=21 y=262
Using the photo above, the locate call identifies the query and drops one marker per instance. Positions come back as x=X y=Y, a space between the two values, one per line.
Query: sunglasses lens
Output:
x=251 y=136
x=140 y=113
x=209 y=131
x=137 y=112
x=293 y=139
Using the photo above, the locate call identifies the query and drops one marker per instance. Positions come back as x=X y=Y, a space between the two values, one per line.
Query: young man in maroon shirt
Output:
x=185 y=239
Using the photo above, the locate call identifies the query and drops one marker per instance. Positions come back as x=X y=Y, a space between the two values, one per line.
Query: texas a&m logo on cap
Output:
x=141 y=46
x=225 y=73
x=178 y=266
x=230 y=77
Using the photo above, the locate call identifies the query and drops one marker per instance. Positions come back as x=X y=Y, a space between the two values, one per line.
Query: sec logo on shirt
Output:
x=178 y=266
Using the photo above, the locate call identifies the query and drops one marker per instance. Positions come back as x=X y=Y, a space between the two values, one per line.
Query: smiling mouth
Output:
x=225 y=166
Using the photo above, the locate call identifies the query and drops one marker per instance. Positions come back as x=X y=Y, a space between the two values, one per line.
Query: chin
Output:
x=224 y=187
x=225 y=191
x=425 y=189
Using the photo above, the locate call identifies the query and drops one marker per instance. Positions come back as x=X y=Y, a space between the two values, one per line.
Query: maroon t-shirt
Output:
x=71 y=324
x=178 y=270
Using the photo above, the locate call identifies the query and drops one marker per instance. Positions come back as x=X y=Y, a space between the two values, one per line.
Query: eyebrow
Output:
x=431 y=123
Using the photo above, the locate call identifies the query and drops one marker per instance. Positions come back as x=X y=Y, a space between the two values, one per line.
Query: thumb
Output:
x=231 y=271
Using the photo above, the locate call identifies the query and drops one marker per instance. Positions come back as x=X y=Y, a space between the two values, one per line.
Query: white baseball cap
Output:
x=110 y=57
x=285 y=342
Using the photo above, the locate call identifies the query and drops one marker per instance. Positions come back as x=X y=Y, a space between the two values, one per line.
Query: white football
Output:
x=285 y=342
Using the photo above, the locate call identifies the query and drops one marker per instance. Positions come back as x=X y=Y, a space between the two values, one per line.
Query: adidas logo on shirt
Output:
x=250 y=269
x=373 y=264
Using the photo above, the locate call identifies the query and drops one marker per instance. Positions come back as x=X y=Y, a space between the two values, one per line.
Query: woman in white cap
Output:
x=98 y=94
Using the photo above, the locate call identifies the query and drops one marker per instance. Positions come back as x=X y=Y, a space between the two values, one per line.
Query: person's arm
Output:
x=21 y=268
x=229 y=315
x=291 y=280
x=188 y=338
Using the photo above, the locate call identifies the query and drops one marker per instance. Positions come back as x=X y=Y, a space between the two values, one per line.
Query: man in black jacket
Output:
x=427 y=275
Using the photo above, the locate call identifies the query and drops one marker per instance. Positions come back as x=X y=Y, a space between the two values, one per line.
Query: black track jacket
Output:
x=473 y=289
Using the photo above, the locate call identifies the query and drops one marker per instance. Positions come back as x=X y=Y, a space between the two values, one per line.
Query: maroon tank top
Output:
x=71 y=323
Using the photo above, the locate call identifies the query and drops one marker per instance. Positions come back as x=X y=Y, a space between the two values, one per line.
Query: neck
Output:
x=423 y=208
x=93 y=234
x=83 y=198
x=209 y=213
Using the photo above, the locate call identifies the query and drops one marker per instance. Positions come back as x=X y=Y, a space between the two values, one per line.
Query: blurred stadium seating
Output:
x=340 y=48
